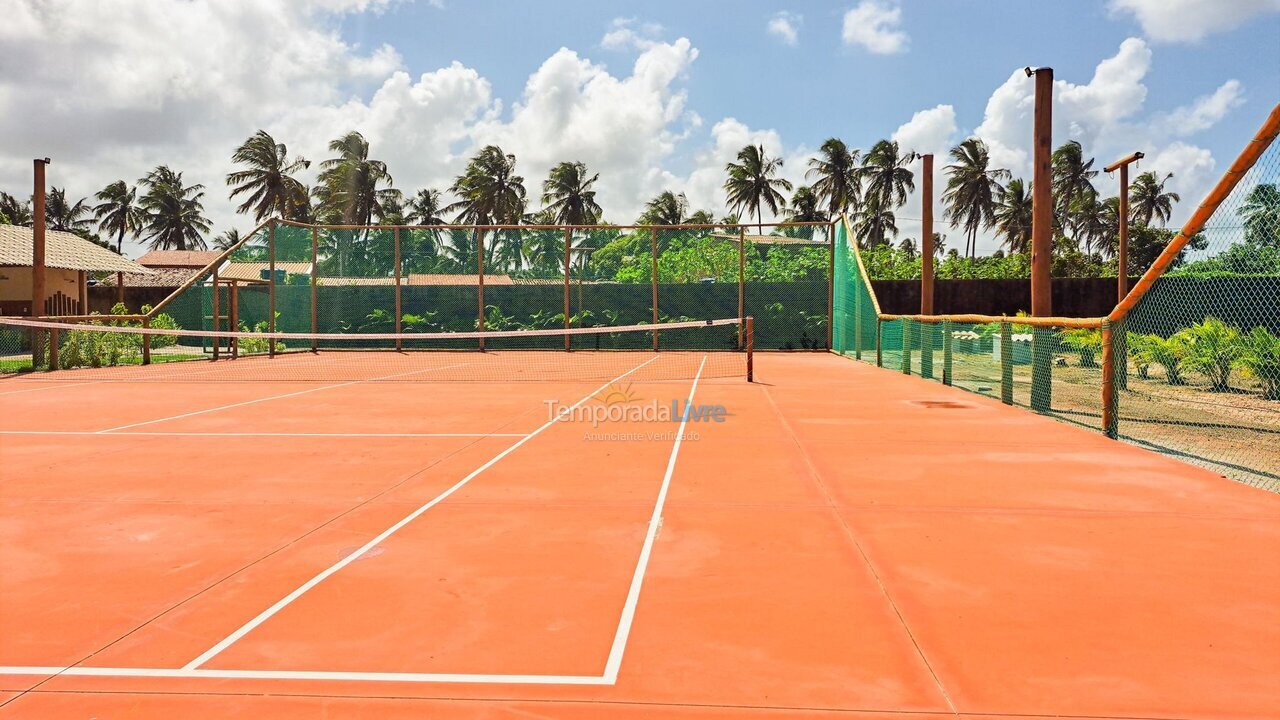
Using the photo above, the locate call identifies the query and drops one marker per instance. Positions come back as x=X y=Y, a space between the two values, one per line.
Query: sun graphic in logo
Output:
x=616 y=394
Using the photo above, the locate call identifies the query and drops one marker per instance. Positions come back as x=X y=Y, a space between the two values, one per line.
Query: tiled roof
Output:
x=62 y=250
x=252 y=271
x=178 y=258
x=773 y=240
x=160 y=277
x=415 y=279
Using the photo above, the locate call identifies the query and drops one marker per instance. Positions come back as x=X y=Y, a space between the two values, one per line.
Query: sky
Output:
x=653 y=96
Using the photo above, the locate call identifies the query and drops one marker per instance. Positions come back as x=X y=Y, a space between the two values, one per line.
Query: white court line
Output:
x=305 y=675
x=49 y=387
x=655 y=521
x=273 y=397
x=283 y=602
x=255 y=434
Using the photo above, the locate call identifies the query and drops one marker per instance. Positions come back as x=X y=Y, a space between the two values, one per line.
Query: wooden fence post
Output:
x=480 y=282
x=1006 y=363
x=653 y=252
x=568 y=270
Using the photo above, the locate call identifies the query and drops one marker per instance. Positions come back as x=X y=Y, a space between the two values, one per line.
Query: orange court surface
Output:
x=842 y=541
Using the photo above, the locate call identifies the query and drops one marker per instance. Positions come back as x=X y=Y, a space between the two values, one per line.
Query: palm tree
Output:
x=806 y=206
x=874 y=223
x=972 y=187
x=491 y=193
x=908 y=247
x=1096 y=224
x=269 y=180
x=1013 y=215
x=1261 y=213
x=351 y=187
x=119 y=213
x=1148 y=201
x=1072 y=181
x=752 y=186
x=836 y=169
x=65 y=216
x=18 y=213
x=887 y=179
x=568 y=195
x=174 y=211
x=425 y=208
x=667 y=208
x=227 y=239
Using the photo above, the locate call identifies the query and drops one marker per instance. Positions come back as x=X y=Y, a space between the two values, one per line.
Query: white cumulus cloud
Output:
x=875 y=26
x=785 y=26
x=1191 y=20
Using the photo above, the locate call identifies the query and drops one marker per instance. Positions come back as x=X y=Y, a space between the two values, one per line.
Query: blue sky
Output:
x=654 y=96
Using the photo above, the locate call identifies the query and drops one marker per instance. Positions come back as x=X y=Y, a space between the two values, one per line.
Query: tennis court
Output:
x=542 y=534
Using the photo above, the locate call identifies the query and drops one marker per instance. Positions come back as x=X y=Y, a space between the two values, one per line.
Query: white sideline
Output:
x=286 y=600
x=304 y=675
x=273 y=397
x=655 y=521
x=257 y=434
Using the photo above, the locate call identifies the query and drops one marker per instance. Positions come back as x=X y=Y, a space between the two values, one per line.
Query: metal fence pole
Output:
x=271 y=290
x=399 y=305
x=653 y=251
x=480 y=283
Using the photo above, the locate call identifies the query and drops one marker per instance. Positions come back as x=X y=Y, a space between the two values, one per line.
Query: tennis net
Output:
x=116 y=349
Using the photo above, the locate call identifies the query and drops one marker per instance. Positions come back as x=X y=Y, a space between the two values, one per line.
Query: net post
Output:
x=271 y=289
x=215 y=317
x=831 y=285
x=653 y=256
x=857 y=322
x=946 y=352
x=399 y=340
x=1110 y=426
x=146 y=341
x=879 y=342
x=315 y=270
x=750 y=332
x=908 y=327
x=926 y=236
x=37 y=257
x=1006 y=363
x=568 y=251
x=742 y=283
x=1043 y=344
x=54 y=360
x=1121 y=340
x=480 y=282
x=234 y=319
x=926 y=349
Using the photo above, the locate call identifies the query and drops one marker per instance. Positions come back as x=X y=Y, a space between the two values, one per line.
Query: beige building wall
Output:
x=15 y=283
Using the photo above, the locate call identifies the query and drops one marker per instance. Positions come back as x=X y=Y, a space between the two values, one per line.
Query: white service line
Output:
x=273 y=397
x=304 y=675
x=257 y=434
x=655 y=521
x=283 y=602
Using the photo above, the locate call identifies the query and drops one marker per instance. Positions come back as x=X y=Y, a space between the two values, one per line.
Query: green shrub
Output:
x=1213 y=348
x=1260 y=356
x=1141 y=360
x=1168 y=353
x=1086 y=342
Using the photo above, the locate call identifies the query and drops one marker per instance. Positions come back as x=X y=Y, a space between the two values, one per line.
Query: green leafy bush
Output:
x=1213 y=347
x=1086 y=342
x=1168 y=353
x=1260 y=356
x=1141 y=360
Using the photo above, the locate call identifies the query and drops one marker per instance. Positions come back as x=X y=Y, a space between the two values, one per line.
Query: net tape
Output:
x=495 y=334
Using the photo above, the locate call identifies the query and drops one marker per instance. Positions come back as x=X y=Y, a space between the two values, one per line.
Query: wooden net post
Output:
x=1042 y=343
x=399 y=340
x=1110 y=422
x=54 y=359
x=234 y=319
x=925 y=331
x=568 y=252
x=742 y=285
x=217 y=341
x=480 y=283
x=946 y=352
x=315 y=271
x=908 y=327
x=857 y=323
x=653 y=254
x=1006 y=363
x=750 y=343
x=146 y=341
x=831 y=285
x=926 y=236
x=879 y=343
x=37 y=259
x=271 y=289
